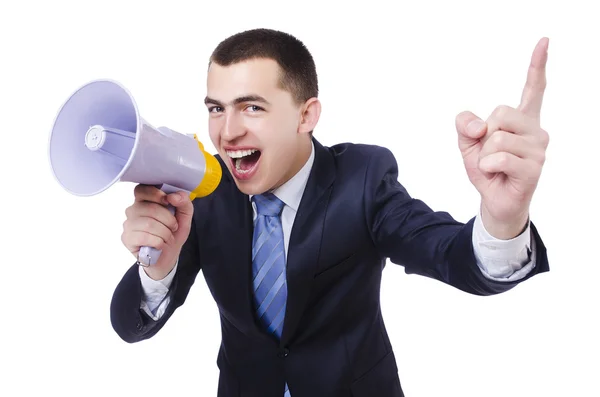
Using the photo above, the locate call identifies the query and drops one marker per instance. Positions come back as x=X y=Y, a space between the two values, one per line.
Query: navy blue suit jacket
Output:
x=354 y=215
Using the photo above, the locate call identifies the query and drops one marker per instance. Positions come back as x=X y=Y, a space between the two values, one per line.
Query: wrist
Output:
x=157 y=273
x=504 y=229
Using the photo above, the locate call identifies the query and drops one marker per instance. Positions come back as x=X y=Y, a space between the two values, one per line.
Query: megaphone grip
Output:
x=148 y=256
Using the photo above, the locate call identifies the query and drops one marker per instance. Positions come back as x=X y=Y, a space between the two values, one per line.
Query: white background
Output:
x=395 y=77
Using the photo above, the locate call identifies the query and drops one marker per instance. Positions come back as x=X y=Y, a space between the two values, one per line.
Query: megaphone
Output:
x=99 y=138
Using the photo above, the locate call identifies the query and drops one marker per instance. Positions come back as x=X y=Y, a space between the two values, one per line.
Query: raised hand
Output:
x=504 y=156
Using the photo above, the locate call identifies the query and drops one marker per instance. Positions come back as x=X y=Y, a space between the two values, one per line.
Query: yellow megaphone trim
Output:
x=212 y=174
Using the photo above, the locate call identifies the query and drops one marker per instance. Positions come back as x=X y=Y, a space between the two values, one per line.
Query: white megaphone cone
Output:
x=99 y=138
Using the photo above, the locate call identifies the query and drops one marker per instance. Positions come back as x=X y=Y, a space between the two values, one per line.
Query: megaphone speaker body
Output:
x=99 y=138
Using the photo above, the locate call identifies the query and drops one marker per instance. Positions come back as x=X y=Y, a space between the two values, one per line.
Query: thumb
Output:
x=470 y=129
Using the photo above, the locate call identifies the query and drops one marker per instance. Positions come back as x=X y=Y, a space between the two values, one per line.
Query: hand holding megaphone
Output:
x=99 y=138
x=160 y=221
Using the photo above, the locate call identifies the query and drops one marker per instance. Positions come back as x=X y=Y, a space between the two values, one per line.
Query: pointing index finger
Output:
x=533 y=93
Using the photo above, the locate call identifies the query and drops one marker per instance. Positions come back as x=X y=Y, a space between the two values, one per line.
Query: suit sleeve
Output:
x=131 y=322
x=426 y=242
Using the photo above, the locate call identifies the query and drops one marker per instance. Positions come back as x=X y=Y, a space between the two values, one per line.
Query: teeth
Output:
x=238 y=154
x=238 y=163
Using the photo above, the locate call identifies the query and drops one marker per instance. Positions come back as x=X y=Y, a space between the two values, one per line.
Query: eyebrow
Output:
x=238 y=100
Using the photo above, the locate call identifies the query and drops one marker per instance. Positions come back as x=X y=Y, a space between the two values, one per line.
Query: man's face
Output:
x=255 y=125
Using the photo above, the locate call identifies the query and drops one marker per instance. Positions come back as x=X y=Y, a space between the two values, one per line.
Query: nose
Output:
x=233 y=127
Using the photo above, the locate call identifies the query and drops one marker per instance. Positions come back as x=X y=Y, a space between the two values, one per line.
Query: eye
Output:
x=214 y=109
x=254 y=108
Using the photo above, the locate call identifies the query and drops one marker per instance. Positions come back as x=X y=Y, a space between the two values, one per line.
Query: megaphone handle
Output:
x=148 y=256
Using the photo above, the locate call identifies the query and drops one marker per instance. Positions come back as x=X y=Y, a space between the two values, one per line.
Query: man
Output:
x=293 y=241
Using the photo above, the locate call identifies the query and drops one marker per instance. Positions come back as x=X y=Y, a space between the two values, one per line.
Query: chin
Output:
x=250 y=187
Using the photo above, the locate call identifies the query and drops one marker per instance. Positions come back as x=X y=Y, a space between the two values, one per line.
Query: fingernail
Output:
x=177 y=198
x=475 y=127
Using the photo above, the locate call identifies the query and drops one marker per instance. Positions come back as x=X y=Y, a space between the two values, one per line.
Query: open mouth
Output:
x=244 y=161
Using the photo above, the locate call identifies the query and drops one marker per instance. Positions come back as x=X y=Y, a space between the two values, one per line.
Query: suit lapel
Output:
x=237 y=226
x=305 y=238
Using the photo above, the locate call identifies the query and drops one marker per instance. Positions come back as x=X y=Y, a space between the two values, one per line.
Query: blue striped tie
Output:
x=268 y=265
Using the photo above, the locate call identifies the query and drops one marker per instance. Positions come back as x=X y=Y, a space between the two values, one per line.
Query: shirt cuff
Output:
x=503 y=260
x=154 y=293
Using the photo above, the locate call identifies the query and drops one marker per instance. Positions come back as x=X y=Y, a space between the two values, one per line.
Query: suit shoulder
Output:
x=359 y=150
x=361 y=153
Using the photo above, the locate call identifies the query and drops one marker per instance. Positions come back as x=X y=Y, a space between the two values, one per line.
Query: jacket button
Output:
x=283 y=353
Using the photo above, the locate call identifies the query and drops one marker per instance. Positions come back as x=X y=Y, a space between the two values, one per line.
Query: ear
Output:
x=311 y=111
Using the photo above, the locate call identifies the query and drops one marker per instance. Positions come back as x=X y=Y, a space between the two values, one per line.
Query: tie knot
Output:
x=267 y=204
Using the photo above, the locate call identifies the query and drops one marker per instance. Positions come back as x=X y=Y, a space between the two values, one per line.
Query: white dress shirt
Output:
x=501 y=260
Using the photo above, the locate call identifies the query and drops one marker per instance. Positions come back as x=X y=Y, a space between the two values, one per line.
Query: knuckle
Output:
x=127 y=241
x=147 y=193
x=503 y=159
x=501 y=111
x=537 y=84
x=129 y=211
x=544 y=138
x=497 y=111
x=158 y=242
x=542 y=159
x=540 y=156
x=499 y=139
x=139 y=190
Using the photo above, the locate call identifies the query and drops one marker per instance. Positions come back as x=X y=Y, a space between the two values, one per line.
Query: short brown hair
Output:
x=298 y=71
